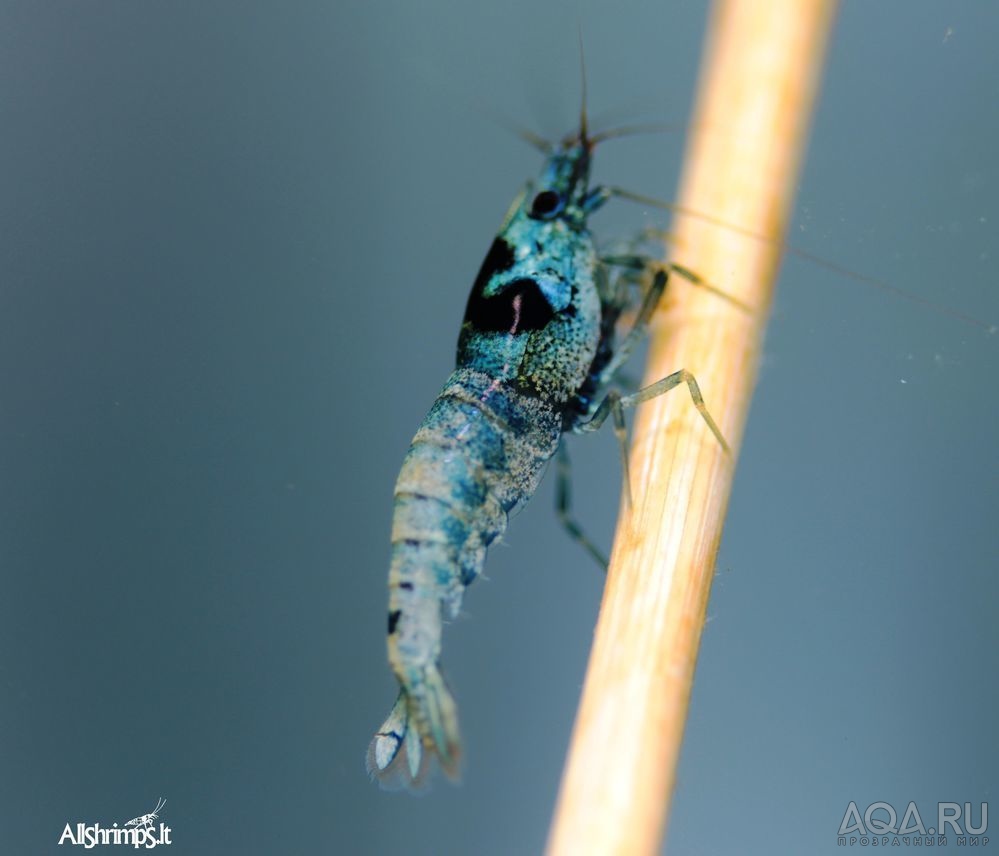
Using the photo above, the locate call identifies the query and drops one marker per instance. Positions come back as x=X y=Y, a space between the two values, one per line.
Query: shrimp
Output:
x=146 y=820
x=535 y=359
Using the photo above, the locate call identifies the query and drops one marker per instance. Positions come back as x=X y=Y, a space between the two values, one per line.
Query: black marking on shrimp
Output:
x=393 y=620
x=448 y=504
x=499 y=258
x=412 y=494
x=521 y=308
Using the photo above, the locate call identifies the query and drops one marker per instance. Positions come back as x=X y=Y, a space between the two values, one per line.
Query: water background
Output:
x=237 y=242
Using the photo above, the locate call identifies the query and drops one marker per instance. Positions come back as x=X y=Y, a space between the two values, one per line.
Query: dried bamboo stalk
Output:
x=758 y=85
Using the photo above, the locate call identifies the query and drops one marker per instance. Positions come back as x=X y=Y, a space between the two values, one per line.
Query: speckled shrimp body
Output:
x=534 y=336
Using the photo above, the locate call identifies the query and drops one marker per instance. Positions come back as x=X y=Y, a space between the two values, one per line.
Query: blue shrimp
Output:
x=535 y=359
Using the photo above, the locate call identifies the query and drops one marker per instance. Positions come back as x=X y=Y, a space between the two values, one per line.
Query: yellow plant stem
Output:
x=759 y=81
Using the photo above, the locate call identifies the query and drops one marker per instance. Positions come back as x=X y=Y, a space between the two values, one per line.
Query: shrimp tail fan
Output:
x=422 y=725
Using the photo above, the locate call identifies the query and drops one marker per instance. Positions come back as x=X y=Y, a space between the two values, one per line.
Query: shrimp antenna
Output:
x=635 y=130
x=514 y=127
x=582 y=107
x=532 y=139
x=784 y=247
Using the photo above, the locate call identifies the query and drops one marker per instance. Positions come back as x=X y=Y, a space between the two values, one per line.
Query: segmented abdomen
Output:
x=480 y=452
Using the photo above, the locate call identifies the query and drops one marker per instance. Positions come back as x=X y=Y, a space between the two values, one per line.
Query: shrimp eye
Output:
x=546 y=205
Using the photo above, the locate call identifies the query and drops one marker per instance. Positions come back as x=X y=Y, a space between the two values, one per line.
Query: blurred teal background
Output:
x=238 y=239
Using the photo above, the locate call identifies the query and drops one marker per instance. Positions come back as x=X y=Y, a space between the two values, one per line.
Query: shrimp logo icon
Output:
x=145 y=821
x=142 y=831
